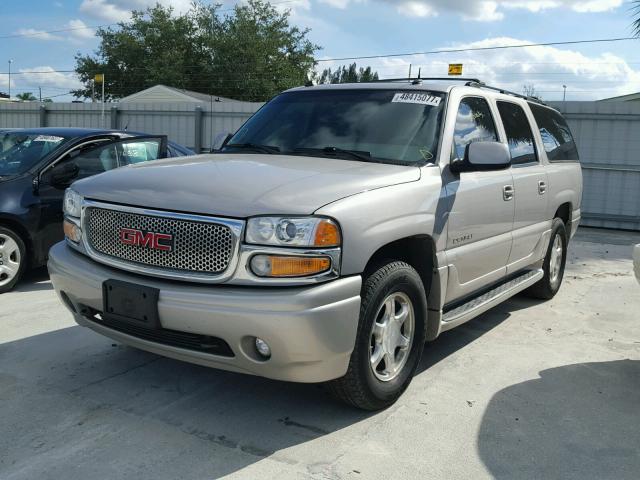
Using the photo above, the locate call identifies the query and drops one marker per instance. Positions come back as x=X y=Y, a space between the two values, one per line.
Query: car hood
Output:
x=242 y=185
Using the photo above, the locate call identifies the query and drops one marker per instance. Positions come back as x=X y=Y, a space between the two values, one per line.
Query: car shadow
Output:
x=577 y=421
x=92 y=406
x=34 y=281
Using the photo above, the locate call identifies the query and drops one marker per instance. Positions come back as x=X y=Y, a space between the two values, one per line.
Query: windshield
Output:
x=391 y=126
x=21 y=151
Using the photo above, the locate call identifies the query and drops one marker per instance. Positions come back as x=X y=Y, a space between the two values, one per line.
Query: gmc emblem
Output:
x=140 y=238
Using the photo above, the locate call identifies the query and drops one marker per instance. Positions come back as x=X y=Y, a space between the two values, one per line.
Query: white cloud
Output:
x=45 y=76
x=37 y=34
x=80 y=30
x=120 y=10
x=486 y=10
x=546 y=68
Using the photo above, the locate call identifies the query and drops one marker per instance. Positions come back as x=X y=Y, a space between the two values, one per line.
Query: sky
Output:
x=348 y=28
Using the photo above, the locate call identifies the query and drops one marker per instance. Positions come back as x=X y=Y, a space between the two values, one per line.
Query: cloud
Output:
x=485 y=10
x=120 y=10
x=45 y=76
x=37 y=34
x=80 y=30
x=547 y=68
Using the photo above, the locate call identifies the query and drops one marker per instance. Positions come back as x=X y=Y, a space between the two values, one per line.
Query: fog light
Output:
x=263 y=348
x=72 y=231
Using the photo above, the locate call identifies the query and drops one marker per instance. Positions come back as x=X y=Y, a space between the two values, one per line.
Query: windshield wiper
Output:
x=333 y=151
x=255 y=146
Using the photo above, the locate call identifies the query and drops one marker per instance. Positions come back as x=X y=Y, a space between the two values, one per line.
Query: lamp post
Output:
x=10 y=62
x=564 y=98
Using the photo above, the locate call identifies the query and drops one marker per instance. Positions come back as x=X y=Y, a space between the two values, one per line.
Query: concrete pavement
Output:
x=528 y=390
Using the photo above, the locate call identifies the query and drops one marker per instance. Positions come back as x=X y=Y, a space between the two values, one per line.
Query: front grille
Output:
x=188 y=341
x=198 y=246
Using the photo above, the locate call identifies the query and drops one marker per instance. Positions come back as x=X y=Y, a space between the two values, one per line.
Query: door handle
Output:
x=507 y=192
x=542 y=187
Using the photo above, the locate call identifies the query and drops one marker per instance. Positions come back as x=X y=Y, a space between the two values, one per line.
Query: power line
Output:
x=478 y=49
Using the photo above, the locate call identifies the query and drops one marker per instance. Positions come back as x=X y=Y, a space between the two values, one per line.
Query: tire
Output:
x=553 y=265
x=391 y=287
x=13 y=259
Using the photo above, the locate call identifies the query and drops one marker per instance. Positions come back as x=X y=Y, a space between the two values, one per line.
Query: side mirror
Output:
x=220 y=141
x=63 y=175
x=483 y=156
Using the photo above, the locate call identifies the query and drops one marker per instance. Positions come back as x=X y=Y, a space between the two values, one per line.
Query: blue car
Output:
x=37 y=165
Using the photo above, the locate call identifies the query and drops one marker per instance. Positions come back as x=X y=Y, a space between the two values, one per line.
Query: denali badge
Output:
x=140 y=238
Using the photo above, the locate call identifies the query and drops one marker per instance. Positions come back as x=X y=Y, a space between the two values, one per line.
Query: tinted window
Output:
x=92 y=161
x=556 y=136
x=474 y=123
x=133 y=151
x=519 y=135
x=391 y=125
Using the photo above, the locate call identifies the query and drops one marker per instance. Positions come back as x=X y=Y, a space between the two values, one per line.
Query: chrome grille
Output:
x=199 y=246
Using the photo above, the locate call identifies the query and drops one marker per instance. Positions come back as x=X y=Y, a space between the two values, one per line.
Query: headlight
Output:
x=72 y=203
x=293 y=232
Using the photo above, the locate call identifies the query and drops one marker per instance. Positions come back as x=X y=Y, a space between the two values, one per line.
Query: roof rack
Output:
x=480 y=84
x=419 y=79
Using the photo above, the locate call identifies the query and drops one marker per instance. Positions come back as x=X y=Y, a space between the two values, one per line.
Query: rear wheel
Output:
x=12 y=259
x=553 y=265
x=390 y=339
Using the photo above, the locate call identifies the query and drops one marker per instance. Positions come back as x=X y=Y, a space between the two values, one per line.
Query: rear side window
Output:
x=519 y=135
x=474 y=123
x=556 y=136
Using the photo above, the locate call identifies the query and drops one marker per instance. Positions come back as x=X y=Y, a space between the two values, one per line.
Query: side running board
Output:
x=487 y=300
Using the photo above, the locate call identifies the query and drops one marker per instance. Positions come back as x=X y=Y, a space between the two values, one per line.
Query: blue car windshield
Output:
x=21 y=151
x=380 y=125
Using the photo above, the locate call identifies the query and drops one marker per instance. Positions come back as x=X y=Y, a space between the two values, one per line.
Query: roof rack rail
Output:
x=506 y=92
x=417 y=80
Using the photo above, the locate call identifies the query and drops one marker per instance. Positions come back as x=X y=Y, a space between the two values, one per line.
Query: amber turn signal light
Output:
x=72 y=231
x=327 y=234
x=282 y=266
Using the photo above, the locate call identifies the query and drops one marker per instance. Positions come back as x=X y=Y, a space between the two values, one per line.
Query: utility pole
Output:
x=93 y=91
x=10 y=62
x=564 y=98
x=40 y=93
x=103 y=125
x=409 y=71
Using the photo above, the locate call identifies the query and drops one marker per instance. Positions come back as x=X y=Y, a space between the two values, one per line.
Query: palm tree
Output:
x=636 y=15
x=26 y=97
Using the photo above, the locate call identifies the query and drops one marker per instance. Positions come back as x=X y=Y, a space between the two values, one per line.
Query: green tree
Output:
x=251 y=54
x=348 y=74
x=26 y=97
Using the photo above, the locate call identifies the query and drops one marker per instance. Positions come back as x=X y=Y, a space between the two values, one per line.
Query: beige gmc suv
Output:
x=332 y=235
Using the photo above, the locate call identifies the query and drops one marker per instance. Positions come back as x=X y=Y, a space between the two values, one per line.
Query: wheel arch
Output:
x=416 y=250
x=563 y=212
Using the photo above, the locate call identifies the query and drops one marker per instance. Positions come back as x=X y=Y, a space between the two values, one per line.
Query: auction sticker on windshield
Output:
x=48 y=138
x=418 y=98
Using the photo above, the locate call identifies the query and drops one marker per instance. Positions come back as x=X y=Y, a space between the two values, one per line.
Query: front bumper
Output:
x=311 y=330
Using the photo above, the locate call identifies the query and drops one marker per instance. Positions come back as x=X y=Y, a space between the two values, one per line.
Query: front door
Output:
x=482 y=209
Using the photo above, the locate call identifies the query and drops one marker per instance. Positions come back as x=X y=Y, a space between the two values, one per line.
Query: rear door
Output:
x=530 y=187
x=481 y=216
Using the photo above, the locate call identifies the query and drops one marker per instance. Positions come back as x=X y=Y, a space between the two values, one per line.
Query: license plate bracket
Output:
x=131 y=303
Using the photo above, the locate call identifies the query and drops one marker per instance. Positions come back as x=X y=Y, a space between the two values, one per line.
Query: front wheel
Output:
x=553 y=265
x=12 y=259
x=390 y=339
